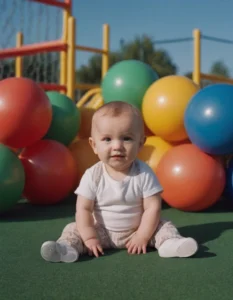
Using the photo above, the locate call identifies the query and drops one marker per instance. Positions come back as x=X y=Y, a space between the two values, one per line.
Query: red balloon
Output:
x=192 y=180
x=50 y=171
x=25 y=112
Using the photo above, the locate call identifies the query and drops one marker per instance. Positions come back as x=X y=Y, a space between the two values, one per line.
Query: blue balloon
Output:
x=208 y=119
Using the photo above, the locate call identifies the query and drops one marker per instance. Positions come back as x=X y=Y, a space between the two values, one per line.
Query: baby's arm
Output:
x=85 y=225
x=149 y=222
x=151 y=216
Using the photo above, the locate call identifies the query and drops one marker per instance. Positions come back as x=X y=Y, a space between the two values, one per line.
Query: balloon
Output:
x=66 y=119
x=208 y=119
x=128 y=81
x=25 y=112
x=192 y=180
x=50 y=172
x=12 y=178
x=164 y=105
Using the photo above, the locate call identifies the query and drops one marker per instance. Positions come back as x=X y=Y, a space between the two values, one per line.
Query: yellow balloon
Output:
x=164 y=105
x=153 y=150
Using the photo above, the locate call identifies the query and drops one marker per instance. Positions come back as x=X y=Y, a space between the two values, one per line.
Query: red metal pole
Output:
x=53 y=87
x=65 y=5
x=53 y=46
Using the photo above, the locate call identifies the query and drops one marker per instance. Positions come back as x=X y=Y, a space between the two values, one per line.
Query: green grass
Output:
x=24 y=275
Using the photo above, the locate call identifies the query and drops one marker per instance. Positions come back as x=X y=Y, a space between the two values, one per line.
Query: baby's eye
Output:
x=107 y=139
x=127 y=138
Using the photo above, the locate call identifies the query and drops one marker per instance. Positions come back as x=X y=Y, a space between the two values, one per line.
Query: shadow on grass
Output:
x=204 y=233
x=107 y=252
x=25 y=211
x=223 y=205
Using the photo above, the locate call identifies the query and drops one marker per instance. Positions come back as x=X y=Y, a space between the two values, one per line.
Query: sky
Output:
x=160 y=19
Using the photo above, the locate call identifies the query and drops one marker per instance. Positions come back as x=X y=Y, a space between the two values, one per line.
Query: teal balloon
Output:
x=65 y=120
x=12 y=179
x=128 y=81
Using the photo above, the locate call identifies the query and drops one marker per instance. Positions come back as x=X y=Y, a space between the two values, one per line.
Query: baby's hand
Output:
x=94 y=247
x=137 y=244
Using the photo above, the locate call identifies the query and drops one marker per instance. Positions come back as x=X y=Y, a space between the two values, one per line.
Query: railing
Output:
x=197 y=74
x=66 y=46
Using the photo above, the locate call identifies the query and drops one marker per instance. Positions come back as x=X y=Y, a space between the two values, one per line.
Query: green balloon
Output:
x=65 y=121
x=12 y=178
x=128 y=81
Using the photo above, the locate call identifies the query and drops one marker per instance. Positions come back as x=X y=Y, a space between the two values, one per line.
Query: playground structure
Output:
x=197 y=74
x=66 y=46
x=176 y=133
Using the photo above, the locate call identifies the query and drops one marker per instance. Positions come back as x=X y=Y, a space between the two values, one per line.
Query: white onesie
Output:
x=118 y=204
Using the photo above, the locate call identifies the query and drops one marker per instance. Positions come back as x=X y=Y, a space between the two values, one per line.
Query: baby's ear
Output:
x=93 y=145
x=143 y=140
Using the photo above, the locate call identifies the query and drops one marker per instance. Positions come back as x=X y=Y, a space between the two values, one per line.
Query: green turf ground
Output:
x=25 y=276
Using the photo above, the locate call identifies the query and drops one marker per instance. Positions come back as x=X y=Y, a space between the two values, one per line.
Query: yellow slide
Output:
x=92 y=99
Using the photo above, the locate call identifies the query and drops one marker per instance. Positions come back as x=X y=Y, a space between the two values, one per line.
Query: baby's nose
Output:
x=117 y=145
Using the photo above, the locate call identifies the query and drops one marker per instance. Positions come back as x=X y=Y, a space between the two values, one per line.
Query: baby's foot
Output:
x=58 y=252
x=178 y=247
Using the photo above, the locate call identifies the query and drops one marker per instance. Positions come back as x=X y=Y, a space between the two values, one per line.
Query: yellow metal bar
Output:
x=86 y=97
x=216 y=78
x=89 y=49
x=106 y=43
x=63 y=54
x=95 y=102
x=19 y=59
x=197 y=56
x=71 y=58
x=86 y=86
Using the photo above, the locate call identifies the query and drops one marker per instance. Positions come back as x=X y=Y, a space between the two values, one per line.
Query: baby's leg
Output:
x=170 y=243
x=104 y=236
x=113 y=239
x=67 y=248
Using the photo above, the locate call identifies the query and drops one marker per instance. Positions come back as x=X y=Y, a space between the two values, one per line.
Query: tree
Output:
x=91 y=73
x=220 y=69
x=142 y=48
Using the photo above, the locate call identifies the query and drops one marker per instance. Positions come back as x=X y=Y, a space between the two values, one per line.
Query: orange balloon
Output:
x=186 y=141
x=192 y=180
x=86 y=118
x=83 y=155
x=25 y=112
x=153 y=150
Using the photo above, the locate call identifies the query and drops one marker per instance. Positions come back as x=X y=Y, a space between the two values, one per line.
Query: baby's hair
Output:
x=117 y=108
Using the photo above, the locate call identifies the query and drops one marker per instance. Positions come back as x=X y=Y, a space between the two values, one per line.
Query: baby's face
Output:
x=117 y=140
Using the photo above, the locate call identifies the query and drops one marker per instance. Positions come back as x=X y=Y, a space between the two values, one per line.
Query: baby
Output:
x=118 y=199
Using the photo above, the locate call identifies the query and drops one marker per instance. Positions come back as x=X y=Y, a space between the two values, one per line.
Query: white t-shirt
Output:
x=119 y=204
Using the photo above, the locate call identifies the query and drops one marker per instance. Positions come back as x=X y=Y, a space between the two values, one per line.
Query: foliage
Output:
x=142 y=48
